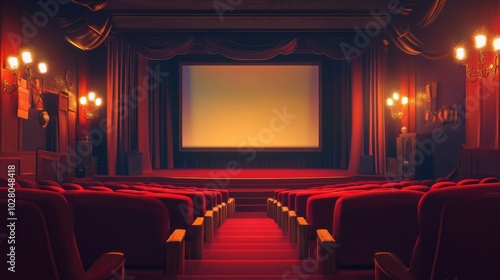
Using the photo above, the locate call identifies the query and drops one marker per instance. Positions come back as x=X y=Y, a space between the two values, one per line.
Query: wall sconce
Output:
x=397 y=105
x=90 y=104
x=13 y=66
x=480 y=43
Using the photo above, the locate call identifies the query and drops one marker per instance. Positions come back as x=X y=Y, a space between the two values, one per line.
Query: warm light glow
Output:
x=83 y=100
x=480 y=41
x=13 y=63
x=98 y=102
x=26 y=57
x=395 y=96
x=404 y=100
x=496 y=44
x=91 y=96
x=460 y=53
x=42 y=68
x=390 y=102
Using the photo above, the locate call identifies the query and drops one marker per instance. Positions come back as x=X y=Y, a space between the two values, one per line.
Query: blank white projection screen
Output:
x=243 y=106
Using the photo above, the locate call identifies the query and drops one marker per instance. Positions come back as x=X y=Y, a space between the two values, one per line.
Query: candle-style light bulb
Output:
x=460 y=53
x=480 y=41
x=404 y=100
x=390 y=102
x=26 y=57
x=83 y=100
x=42 y=67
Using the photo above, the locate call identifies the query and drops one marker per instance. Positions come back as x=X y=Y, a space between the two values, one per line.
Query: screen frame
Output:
x=250 y=63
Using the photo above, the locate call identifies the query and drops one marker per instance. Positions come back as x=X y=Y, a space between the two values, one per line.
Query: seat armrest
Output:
x=326 y=252
x=389 y=266
x=197 y=240
x=108 y=266
x=303 y=238
x=175 y=248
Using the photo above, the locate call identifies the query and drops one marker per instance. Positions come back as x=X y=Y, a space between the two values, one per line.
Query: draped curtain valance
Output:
x=248 y=45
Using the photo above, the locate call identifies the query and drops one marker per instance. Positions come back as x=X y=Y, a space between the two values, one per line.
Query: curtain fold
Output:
x=122 y=115
x=143 y=112
x=82 y=27
x=250 y=46
x=374 y=69
x=160 y=45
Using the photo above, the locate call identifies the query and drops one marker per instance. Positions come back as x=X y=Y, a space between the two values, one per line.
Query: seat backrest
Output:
x=470 y=181
x=33 y=257
x=320 y=209
x=468 y=239
x=488 y=180
x=429 y=209
x=301 y=201
x=59 y=227
x=136 y=225
x=421 y=188
x=375 y=221
x=180 y=210
x=442 y=184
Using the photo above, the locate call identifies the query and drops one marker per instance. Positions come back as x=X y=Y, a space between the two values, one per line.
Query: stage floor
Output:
x=242 y=178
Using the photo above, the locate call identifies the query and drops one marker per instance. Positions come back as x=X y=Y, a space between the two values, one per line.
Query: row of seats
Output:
x=153 y=226
x=363 y=218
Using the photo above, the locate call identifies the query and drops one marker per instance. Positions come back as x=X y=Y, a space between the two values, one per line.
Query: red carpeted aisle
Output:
x=250 y=245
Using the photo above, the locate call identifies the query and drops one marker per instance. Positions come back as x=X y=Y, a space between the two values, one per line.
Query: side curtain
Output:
x=374 y=70
x=122 y=94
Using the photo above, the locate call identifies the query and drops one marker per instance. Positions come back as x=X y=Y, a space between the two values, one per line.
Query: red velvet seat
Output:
x=51 y=188
x=115 y=185
x=468 y=240
x=368 y=222
x=71 y=186
x=26 y=183
x=301 y=201
x=489 y=180
x=45 y=242
x=442 y=184
x=470 y=181
x=422 y=265
x=320 y=209
x=138 y=226
x=420 y=188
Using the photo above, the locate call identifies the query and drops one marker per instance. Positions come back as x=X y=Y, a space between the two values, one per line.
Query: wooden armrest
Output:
x=196 y=251
x=109 y=265
x=175 y=247
x=389 y=266
x=292 y=225
x=326 y=252
x=303 y=238
x=209 y=226
x=284 y=218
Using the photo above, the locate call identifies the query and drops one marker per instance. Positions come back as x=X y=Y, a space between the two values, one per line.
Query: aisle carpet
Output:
x=250 y=245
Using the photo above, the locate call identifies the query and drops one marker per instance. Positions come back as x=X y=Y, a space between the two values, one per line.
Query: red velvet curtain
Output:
x=122 y=110
x=374 y=69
